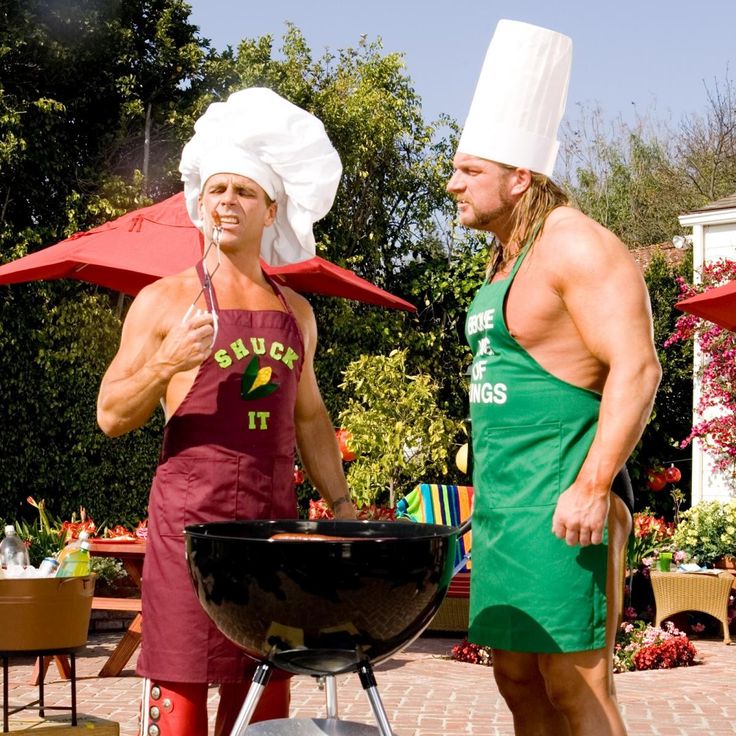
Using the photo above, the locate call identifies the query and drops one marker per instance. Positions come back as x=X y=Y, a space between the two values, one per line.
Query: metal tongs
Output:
x=207 y=284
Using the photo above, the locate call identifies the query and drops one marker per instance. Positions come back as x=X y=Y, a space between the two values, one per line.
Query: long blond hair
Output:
x=529 y=212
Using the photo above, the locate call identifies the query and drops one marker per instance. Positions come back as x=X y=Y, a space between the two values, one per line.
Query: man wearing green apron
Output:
x=563 y=380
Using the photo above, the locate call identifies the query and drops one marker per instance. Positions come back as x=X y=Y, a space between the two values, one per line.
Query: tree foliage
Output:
x=72 y=80
x=627 y=179
x=94 y=93
x=637 y=179
x=661 y=443
x=97 y=98
x=706 y=146
x=399 y=432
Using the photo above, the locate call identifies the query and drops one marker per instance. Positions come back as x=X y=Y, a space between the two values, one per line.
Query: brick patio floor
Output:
x=427 y=694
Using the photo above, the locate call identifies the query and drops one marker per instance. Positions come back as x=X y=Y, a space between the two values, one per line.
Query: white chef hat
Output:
x=283 y=148
x=520 y=98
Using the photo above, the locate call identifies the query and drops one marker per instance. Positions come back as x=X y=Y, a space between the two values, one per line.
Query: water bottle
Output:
x=76 y=563
x=13 y=553
x=48 y=567
x=73 y=546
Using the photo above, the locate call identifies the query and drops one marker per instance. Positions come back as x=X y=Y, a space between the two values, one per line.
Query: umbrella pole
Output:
x=121 y=304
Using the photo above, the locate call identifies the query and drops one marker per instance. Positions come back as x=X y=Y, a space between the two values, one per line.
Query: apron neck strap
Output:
x=210 y=296
x=276 y=290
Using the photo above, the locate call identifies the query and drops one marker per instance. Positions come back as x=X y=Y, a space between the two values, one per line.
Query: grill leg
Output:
x=73 y=666
x=6 y=707
x=331 y=695
x=41 y=678
x=368 y=681
x=260 y=679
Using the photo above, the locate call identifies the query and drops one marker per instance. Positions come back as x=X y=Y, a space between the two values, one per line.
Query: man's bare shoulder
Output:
x=571 y=225
x=298 y=303
x=303 y=313
x=167 y=294
x=576 y=243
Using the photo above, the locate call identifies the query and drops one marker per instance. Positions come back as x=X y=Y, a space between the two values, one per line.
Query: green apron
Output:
x=530 y=591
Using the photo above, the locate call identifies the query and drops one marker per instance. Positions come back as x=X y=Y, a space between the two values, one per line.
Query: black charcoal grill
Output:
x=320 y=598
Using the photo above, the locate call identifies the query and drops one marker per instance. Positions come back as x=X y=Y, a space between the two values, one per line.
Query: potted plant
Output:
x=651 y=535
x=44 y=536
x=707 y=532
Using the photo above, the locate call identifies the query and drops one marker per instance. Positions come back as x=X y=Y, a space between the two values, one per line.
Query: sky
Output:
x=632 y=58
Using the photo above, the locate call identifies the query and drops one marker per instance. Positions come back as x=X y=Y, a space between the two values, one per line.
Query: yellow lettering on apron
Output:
x=277 y=350
x=289 y=358
x=239 y=349
x=258 y=419
x=223 y=359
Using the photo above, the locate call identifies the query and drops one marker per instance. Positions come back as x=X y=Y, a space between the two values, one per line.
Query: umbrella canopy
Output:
x=717 y=305
x=131 y=251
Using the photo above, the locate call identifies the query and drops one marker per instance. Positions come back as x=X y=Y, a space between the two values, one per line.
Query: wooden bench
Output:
x=102 y=603
x=132 y=637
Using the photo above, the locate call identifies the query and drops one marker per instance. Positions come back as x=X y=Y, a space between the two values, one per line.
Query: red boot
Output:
x=174 y=709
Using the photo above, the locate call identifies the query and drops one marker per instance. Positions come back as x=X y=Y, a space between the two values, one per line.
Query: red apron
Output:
x=228 y=453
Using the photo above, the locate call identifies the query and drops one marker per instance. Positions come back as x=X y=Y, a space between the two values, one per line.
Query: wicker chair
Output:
x=675 y=592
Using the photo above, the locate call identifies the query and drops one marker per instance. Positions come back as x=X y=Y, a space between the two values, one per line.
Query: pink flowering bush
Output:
x=717 y=402
x=641 y=646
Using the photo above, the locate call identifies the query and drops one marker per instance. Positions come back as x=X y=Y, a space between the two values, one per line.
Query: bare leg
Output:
x=619 y=528
x=580 y=684
x=522 y=686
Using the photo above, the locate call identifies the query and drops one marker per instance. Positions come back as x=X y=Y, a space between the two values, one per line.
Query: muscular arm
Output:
x=315 y=434
x=154 y=346
x=606 y=297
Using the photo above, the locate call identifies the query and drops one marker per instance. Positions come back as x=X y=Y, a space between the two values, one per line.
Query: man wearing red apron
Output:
x=229 y=355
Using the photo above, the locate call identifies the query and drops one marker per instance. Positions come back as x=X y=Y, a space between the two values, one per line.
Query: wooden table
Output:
x=132 y=555
x=675 y=592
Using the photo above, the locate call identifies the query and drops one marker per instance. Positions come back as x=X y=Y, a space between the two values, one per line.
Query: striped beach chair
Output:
x=432 y=503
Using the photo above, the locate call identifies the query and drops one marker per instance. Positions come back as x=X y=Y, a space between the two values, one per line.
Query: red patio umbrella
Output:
x=717 y=305
x=131 y=251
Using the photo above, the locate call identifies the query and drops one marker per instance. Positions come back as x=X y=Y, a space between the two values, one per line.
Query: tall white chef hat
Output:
x=283 y=148
x=520 y=98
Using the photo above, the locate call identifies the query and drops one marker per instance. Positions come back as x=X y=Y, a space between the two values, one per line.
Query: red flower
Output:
x=675 y=652
x=472 y=653
x=319 y=510
x=345 y=441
